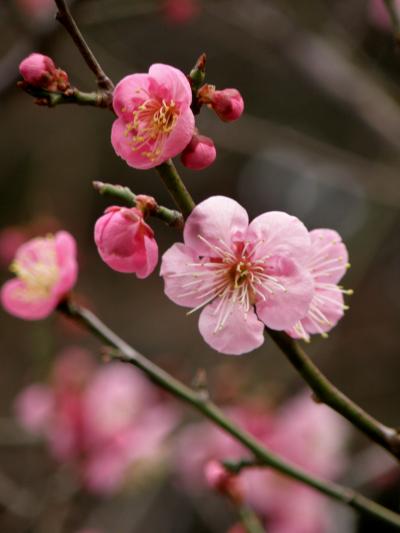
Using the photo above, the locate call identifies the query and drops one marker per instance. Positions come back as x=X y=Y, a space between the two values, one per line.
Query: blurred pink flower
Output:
x=228 y=266
x=37 y=9
x=100 y=421
x=199 y=153
x=181 y=11
x=227 y=103
x=40 y=71
x=309 y=435
x=378 y=14
x=125 y=242
x=154 y=121
x=328 y=262
x=46 y=269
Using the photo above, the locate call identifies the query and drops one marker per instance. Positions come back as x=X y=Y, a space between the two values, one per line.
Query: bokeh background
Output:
x=320 y=139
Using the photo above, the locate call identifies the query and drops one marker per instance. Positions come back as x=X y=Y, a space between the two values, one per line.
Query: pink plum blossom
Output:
x=307 y=434
x=199 y=153
x=328 y=262
x=99 y=421
x=228 y=103
x=125 y=242
x=46 y=270
x=181 y=11
x=378 y=14
x=154 y=121
x=243 y=275
x=40 y=71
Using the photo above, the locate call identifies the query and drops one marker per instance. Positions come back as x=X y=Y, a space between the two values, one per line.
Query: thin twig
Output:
x=127 y=354
x=169 y=216
x=327 y=393
x=64 y=16
x=176 y=187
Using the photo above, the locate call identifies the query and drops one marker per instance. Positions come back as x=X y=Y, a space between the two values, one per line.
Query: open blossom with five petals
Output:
x=46 y=269
x=154 y=121
x=328 y=262
x=243 y=275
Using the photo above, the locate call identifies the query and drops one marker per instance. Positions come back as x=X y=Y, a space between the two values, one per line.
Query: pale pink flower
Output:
x=328 y=262
x=199 y=153
x=46 y=270
x=234 y=269
x=307 y=434
x=154 y=121
x=181 y=11
x=228 y=103
x=100 y=422
x=40 y=71
x=125 y=242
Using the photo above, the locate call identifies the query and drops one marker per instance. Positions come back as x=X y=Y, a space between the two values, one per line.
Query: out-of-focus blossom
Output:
x=328 y=262
x=100 y=421
x=199 y=153
x=37 y=9
x=304 y=433
x=154 y=121
x=378 y=14
x=125 y=242
x=46 y=269
x=181 y=11
x=40 y=71
x=234 y=269
x=228 y=103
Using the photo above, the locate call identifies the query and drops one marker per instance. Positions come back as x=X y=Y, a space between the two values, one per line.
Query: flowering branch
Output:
x=176 y=187
x=70 y=96
x=125 y=353
x=326 y=392
x=169 y=216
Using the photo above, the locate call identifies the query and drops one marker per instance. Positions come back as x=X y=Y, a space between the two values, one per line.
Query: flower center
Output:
x=233 y=275
x=151 y=125
x=37 y=269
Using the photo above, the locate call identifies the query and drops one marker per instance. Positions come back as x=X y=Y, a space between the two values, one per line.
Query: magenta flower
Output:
x=199 y=153
x=328 y=262
x=125 y=242
x=154 y=121
x=234 y=269
x=46 y=269
x=228 y=103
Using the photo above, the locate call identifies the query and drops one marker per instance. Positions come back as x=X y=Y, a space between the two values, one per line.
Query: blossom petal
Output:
x=151 y=257
x=174 y=81
x=329 y=256
x=215 y=219
x=66 y=258
x=240 y=334
x=17 y=301
x=180 y=136
x=282 y=309
x=123 y=148
x=130 y=92
x=330 y=304
x=175 y=264
x=280 y=234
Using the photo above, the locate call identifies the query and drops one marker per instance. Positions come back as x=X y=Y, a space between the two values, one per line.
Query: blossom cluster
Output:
x=244 y=276
x=100 y=421
x=308 y=435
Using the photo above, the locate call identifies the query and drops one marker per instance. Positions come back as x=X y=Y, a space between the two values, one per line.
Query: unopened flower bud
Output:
x=40 y=71
x=125 y=242
x=228 y=103
x=199 y=153
x=218 y=478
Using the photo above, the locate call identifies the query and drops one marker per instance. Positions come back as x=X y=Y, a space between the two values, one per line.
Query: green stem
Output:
x=169 y=216
x=176 y=187
x=128 y=354
x=250 y=520
x=327 y=393
x=71 y=96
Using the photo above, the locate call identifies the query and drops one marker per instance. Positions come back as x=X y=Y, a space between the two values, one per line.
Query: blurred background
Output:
x=320 y=139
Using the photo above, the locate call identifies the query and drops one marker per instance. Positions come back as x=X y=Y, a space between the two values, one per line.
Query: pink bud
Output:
x=125 y=242
x=199 y=153
x=218 y=478
x=39 y=70
x=228 y=104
